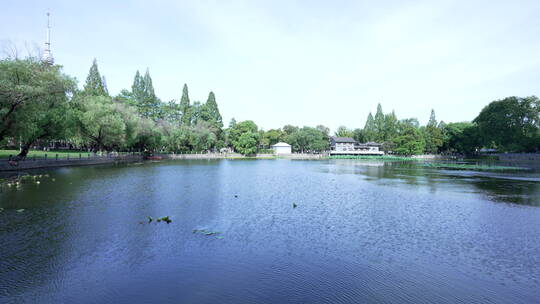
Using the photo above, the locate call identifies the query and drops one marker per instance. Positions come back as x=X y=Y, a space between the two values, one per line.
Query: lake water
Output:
x=361 y=232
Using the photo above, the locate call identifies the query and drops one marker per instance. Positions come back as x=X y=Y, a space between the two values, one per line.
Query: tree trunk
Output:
x=24 y=151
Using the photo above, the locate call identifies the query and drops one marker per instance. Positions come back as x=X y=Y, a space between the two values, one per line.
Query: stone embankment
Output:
x=7 y=165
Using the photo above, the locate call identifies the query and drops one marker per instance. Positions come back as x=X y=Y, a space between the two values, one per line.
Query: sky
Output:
x=298 y=62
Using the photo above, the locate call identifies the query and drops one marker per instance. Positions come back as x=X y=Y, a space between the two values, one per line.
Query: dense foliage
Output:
x=41 y=106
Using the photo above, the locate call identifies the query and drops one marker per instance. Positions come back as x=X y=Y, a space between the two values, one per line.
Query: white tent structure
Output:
x=282 y=148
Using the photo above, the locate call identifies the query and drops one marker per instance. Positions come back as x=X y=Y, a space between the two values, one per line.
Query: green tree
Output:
x=379 y=123
x=202 y=137
x=232 y=123
x=343 y=131
x=460 y=137
x=289 y=129
x=238 y=130
x=195 y=110
x=149 y=136
x=144 y=98
x=370 y=130
x=390 y=126
x=272 y=137
x=185 y=106
x=33 y=101
x=510 y=124
x=247 y=143
x=324 y=129
x=307 y=139
x=433 y=135
x=359 y=135
x=178 y=138
x=99 y=122
x=94 y=82
x=409 y=140
x=210 y=112
x=171 y=112
x=124 y=97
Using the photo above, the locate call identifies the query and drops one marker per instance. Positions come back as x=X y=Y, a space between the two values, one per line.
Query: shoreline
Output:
x=5 y=166
x=31 y=164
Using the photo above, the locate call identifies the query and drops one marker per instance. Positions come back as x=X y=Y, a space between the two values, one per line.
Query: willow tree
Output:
x=99 y=122
x=33 y=101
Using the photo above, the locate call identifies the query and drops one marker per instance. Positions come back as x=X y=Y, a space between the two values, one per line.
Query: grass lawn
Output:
x=41 y=154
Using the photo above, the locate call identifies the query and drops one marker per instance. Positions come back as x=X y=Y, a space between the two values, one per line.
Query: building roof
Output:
x=281 y=144
x=343 y=139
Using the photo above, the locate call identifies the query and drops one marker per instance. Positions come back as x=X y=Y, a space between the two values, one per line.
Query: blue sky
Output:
x=299 y=62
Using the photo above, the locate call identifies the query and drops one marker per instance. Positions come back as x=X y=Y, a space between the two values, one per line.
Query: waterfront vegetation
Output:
x=374 y=157
x=477 y=167
x=42 y=107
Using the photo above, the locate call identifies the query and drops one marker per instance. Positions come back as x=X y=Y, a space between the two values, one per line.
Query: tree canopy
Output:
x=94 y=84
x=40 y=104
x=510 y=124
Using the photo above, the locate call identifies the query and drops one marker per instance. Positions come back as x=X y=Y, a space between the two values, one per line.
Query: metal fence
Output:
x=71 y=156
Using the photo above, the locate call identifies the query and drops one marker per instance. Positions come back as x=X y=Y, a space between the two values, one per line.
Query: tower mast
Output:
x=47 y=54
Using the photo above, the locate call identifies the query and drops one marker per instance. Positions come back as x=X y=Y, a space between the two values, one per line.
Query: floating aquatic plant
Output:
x=205 y=232
x=165 y=219
x=373 y=157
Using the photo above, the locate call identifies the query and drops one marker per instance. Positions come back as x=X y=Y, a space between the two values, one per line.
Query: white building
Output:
x=282 y=148
x=349 y=146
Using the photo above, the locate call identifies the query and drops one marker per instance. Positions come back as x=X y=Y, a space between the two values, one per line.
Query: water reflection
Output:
x=519 y=187
x=374 y=232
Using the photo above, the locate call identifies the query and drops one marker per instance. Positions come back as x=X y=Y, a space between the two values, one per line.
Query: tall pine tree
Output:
x=210 y=112
x=390 y=126
x=150 y=103
x=104 y=83
x=185 y=107
x=94 y=82
x=380 y=135
x=369 y=128
x=433 y=135
x=144 y=97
